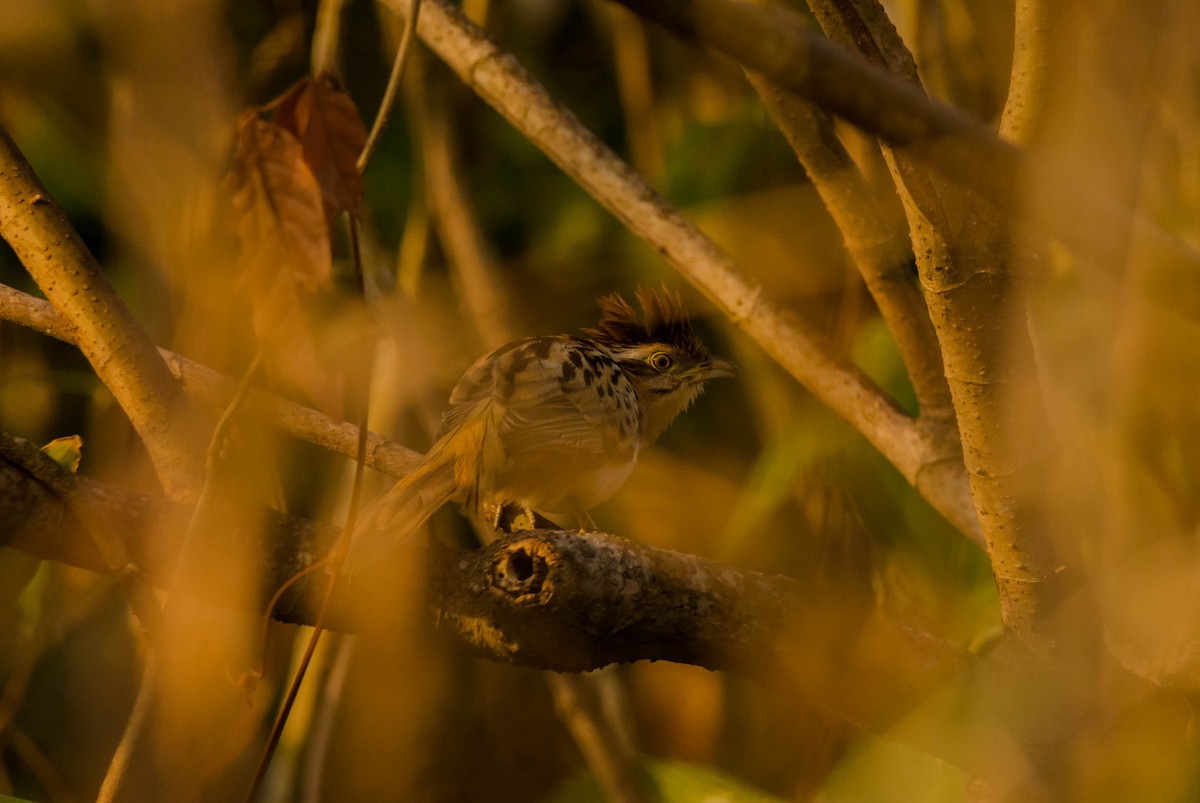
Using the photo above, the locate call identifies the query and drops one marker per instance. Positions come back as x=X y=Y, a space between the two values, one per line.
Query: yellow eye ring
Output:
x=660 y=361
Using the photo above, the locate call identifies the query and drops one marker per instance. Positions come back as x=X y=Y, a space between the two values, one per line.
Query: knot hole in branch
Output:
x=521 y=572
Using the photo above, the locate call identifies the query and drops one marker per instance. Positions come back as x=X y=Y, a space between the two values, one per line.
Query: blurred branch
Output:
x=875 y=245
x=39 y=764
x=631 y=59
x=121 y=353
x=103 y=531
x=326 y=38
x=216 y=390
x=564 y=601
x=923 y=455
x=776 y=42
x=611 y=759
x=471 y=262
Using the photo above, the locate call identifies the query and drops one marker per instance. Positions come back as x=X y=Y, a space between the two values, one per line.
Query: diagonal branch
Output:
x=876 y=246
x=471 y=262
x=216 y=390
x=776 y=42
x=924 y=456
x=121 y=353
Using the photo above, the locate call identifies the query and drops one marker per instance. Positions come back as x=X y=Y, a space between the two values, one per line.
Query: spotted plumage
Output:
x=552 y=423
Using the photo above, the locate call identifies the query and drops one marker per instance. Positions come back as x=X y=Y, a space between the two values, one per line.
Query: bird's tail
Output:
x=393 y=518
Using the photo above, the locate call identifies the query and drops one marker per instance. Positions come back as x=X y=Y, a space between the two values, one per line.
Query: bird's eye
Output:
x=660 y=361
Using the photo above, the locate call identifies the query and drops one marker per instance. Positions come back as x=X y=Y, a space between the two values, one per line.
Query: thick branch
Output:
x=775 y=42
x=121 y=353
x=965 y=257
x=573 y=601
x=878 y=248
x=555 y=600
x=1024 y=109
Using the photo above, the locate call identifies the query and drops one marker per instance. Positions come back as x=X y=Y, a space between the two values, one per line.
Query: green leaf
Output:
x=67 y=452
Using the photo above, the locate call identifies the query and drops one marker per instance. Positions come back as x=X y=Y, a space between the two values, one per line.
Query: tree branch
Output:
x=974 y=291
x=878 y=248
x=100 y=530
x=121 y=353
x=564 y=601
x=572 y=601
x=1024 y=109
x=216 y=390
x=917 y=452
x=471 y=262
x=776 y=42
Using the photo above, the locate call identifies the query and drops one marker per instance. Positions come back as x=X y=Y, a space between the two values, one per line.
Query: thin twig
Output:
x=285 y=708
x=39 y=765
x=134 y=738
x=327 y=37
x=334 y=561
x=216 y=389
x=211 y=466
x=321 y=736
x=393 y=84
x=616 y=773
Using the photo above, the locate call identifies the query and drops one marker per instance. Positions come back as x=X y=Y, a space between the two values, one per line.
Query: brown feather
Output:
x=664 y=320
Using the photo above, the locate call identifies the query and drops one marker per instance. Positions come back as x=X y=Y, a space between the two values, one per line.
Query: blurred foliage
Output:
x=786 y=488
x=673 y=782
x=888 y=772
x=128 y=111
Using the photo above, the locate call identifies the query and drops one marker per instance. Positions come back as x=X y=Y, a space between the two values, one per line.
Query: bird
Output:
x=551 y=424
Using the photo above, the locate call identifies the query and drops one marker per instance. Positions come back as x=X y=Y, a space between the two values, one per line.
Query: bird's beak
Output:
x=718 y=368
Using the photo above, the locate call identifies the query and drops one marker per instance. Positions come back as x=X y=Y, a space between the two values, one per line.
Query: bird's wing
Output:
x=549 y=395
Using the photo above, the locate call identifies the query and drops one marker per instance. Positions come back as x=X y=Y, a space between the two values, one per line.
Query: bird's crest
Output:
x=664 y=320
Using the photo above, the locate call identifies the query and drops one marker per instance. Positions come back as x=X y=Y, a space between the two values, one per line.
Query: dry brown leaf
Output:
x=280 y=222
x=331 y=132
x=284 y=255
